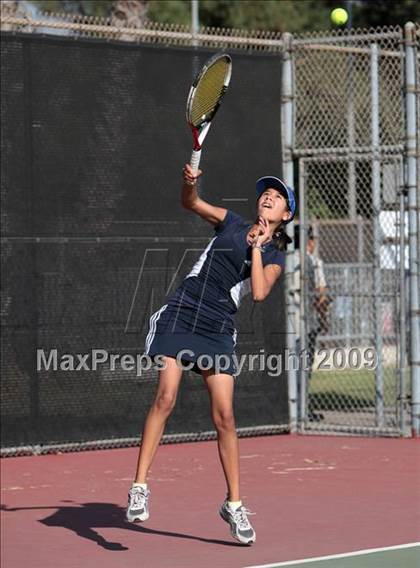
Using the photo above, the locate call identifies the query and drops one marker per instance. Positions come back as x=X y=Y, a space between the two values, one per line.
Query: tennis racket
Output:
x=204 y=99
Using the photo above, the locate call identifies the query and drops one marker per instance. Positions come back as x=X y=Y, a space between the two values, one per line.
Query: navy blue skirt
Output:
x=200 y=335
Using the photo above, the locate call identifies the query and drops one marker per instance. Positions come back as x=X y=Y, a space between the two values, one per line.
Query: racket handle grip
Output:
x=195 y=159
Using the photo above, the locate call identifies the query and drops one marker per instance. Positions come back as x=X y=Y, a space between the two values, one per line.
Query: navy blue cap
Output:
x=271 y=181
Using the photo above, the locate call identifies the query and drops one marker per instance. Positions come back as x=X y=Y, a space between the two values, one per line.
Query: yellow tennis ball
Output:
x=339 y=16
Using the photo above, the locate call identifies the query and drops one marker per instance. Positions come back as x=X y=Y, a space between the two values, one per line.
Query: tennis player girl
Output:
x=198 y=319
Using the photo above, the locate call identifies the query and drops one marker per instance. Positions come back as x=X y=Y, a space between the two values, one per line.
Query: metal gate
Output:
x=347 y=152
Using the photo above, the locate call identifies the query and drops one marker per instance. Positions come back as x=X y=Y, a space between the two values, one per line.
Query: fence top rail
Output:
x=348 y=49
x=351 y=36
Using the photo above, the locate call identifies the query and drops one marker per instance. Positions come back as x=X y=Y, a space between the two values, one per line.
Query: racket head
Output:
x=207 y=90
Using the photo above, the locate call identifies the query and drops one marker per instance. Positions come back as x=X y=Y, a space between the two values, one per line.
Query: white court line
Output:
x=332 y=556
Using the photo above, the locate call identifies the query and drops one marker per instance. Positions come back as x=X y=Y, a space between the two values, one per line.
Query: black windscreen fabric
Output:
x=93 y=143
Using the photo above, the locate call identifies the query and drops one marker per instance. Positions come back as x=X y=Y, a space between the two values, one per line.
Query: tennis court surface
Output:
x=313 y=496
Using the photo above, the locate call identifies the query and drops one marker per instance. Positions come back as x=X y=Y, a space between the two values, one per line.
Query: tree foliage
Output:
x=287 y=15
x=86 y=7
x=379 y=13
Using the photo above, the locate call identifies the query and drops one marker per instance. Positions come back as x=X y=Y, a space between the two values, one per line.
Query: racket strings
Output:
x=209 y=91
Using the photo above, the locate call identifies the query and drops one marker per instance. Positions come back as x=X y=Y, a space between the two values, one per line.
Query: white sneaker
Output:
x=240 y=527
x=138 y=504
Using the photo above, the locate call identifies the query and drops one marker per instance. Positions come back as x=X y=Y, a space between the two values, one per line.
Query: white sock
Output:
x=144 y=485
x=234 y=504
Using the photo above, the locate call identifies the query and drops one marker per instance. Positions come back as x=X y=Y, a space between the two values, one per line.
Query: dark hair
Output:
x=280 y=237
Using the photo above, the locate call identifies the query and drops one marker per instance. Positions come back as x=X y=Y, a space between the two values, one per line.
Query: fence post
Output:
x=402 y=359
x=287 y=173
x=411 y=95
x=195 y=22
x=304 y=304
x=376 y=206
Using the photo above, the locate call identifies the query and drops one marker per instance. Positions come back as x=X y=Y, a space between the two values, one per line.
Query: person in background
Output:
x=318 y=303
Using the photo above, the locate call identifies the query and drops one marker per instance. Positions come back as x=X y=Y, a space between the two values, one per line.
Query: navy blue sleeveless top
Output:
x=222 y=275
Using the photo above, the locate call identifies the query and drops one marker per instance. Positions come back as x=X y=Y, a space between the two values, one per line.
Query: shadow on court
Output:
x=83 y=519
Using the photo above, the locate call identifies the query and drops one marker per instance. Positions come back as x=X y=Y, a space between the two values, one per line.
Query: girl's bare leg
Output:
x=221 y=388
x=167 y=390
